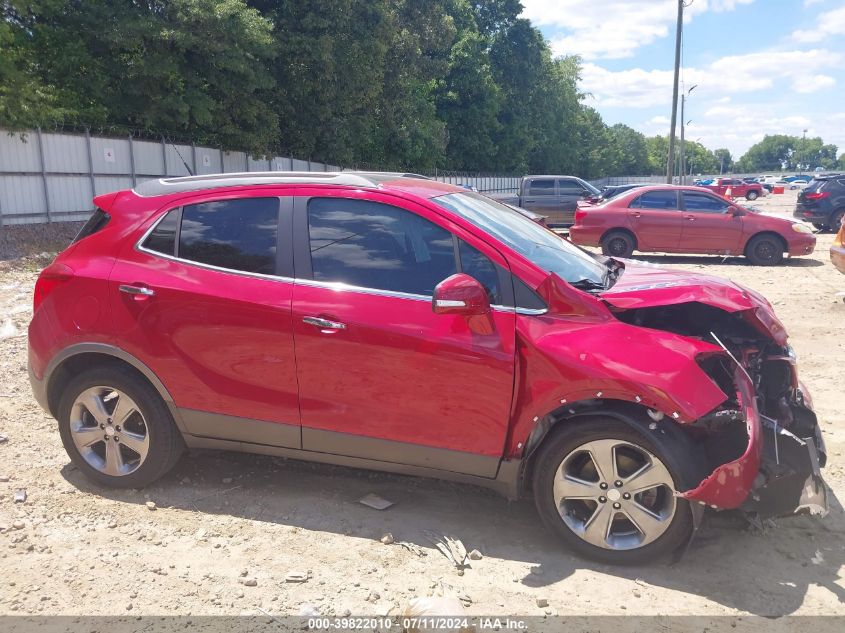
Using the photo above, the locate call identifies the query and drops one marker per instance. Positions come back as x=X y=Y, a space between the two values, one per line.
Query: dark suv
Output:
x=822 y=202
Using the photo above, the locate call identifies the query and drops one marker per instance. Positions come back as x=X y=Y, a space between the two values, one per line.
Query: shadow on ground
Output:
x=765 y=574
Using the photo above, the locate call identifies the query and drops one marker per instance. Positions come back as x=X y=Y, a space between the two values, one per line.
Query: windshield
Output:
x=592 y=188
x=545 y=249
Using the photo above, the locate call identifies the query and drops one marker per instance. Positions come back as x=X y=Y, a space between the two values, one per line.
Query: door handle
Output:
x=530 y=201
x=136 y=290
x=637 y=214
x=690 y=218
x=324 y=323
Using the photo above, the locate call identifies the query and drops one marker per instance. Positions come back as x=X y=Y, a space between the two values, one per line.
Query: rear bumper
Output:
x=583 y=236
x=819 y=216
x=39 y=388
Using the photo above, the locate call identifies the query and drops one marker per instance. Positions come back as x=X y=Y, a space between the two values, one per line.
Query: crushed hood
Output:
x=645 y=285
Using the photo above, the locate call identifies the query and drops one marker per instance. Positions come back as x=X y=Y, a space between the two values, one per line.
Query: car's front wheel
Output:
x=116 y=428
x=609 y=493
x=764 y=250
x=751 y=195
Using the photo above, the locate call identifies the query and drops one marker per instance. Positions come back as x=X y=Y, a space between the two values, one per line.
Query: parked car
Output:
x=672 y=219
x=737 y=187
x=411 y=326
x=609 y=191
x=837 y=249
x=555 y=197
x=798 y=178
x=822 y=202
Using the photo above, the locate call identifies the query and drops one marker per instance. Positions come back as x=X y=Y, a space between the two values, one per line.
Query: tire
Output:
x=624 y=543
x=618 y=244
x=145 y=449
x=836 y=220
x=751 y=195
x=764 y=250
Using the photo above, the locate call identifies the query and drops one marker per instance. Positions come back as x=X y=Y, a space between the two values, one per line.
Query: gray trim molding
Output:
x=230 y=427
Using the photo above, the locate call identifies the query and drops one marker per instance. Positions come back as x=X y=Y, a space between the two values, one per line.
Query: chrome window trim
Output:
x=329 y=285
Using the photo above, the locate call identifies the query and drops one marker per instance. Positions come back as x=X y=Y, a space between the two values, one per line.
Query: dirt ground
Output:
x=229 y=528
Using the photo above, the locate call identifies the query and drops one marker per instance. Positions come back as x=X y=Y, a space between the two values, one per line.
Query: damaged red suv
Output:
x=405 y=325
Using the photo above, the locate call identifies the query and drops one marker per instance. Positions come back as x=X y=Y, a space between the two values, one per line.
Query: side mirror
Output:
x=460 y=294
x=735 y=211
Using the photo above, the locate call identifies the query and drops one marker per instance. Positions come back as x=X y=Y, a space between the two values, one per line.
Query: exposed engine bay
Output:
x=766 y=419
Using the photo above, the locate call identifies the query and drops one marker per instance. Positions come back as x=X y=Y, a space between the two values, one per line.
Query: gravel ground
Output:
x=227 y=529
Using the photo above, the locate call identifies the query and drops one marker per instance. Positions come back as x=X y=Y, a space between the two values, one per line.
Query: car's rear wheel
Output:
x=751 y=195
x=607 y=491
x=618 y=244
x=836 y=220
x=764 y=250
x=117 y=429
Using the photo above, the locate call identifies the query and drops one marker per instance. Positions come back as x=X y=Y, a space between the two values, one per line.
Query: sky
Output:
x=758 y=66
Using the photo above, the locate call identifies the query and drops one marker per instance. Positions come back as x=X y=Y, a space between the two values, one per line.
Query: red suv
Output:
x=406 y=325
x=672 y=219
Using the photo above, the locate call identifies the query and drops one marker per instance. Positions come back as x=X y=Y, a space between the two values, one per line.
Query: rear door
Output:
x=656 y=219
x=708 y=227
x=540 y=195
x=204 y=300
x=381 y=376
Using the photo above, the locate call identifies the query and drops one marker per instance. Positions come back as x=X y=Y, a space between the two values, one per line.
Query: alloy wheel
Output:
x=109 y=431
x=614 y=494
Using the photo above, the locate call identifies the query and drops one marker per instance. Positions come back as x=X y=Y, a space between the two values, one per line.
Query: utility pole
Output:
x=670 y=161
x=683 y=169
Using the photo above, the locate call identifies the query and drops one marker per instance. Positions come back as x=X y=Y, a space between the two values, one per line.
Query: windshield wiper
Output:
x=588 y=284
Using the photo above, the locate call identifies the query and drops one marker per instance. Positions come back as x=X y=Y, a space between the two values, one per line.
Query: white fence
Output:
x=53 y=177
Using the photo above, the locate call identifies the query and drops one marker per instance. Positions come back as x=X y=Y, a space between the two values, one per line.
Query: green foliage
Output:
x=793 y=153
x=396 y=84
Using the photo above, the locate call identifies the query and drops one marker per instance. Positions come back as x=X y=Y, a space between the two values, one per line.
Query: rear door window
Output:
x=238 y=234
x=541 y=187
x=162 y=239
x=373 y=245
x=702 y=203
x=661 y=200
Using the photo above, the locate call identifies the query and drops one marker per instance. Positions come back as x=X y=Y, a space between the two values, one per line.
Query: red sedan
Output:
x=671 y=219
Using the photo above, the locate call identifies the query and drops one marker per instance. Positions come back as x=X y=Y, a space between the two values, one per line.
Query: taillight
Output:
x=580 y=214
x=49 y=279
x=816 y=195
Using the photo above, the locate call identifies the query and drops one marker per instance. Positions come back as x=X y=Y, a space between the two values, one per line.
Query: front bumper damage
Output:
x=779 y=471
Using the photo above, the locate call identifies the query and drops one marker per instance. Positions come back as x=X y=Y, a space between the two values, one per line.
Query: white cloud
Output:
x=612 y=29
x=814 y=83
x=828 y=24
x=733 y=74
x=809 y=3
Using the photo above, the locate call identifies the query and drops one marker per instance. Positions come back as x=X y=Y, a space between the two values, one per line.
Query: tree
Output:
x=632 y=151
x=657 y=148
x=725 y=160
x=196 y=67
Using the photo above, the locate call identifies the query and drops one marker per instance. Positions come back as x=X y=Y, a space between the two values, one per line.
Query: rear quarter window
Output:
x=97 y=222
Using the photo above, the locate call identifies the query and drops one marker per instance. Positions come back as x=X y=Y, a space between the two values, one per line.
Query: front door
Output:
x=708 y=227
x=656 y=220
x=381 y=376
x=570 y=191
x=205 y=302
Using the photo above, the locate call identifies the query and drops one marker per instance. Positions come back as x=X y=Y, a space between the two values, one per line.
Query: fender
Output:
x=42 y=387
x=575 y=360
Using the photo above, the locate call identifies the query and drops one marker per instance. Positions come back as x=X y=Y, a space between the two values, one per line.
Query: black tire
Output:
x=836 y=220
x=764 y=250
x=165 y=441
x=751 y=195
x=618 y=244
x=567 y=439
